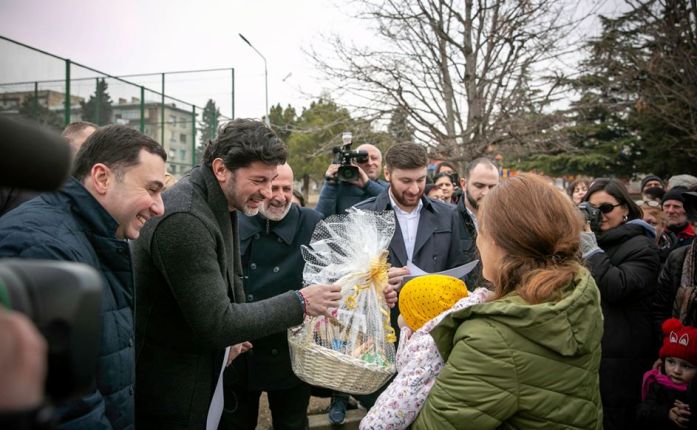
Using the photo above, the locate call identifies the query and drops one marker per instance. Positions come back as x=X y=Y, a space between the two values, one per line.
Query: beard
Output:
x=235 y=202
x=472 y=202
x=274 y=213
x=250 y=212
x=402 y=199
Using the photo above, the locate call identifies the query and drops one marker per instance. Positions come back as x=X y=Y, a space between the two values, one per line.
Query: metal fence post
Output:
x=142 y=109
x=98 y=103
x=232 y=113
x=35 y=103
x=162 y=113
x=66 y=107
x=193 y=136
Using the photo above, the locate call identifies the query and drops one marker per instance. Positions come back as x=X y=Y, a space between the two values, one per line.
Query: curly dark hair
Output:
x=241 y=142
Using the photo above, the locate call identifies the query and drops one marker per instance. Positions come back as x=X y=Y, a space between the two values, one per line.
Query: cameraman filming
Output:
x=337 y=196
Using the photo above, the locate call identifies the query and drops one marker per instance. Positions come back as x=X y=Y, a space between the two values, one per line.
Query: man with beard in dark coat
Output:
x=481 y=175
x=272 y=263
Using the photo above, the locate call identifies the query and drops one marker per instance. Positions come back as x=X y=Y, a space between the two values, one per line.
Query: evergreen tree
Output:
x=98 y=108
x=638 y=98
x=208 y=127
x=399 y=127
x=317 y=131
x=282 y=120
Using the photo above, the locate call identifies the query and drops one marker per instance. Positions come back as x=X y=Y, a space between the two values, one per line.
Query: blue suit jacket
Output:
x=437 y=245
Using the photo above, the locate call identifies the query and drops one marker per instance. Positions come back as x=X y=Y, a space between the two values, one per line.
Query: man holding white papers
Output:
x=427 y=236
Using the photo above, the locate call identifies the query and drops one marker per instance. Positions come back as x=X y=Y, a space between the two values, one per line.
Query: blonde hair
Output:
x=538 y=229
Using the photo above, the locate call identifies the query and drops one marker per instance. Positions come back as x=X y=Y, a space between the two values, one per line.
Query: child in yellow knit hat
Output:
x=423 y=303
x=426 y=297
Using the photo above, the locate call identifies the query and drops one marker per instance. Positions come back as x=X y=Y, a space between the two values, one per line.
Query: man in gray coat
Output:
x=189 y=296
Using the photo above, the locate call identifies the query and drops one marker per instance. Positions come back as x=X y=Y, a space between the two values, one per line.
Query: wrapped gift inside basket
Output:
x=353 y=350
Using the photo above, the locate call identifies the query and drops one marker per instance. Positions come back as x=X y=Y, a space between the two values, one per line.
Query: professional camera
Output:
x=592 y=216
x=62 y=299
x=343 y=155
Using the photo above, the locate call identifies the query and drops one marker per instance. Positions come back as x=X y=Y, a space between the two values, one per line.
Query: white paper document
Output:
x=457 y=272
x=215 y=411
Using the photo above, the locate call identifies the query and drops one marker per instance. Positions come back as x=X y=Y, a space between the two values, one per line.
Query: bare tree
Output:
x=466 y=72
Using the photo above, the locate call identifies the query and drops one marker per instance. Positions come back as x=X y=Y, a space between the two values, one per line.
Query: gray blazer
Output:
x=190 y=304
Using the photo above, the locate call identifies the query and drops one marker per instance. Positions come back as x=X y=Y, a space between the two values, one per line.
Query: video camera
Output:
x=343 y=155
x=63 y=299
x=592 y=216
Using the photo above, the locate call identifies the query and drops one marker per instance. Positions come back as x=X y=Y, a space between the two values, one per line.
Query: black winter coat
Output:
x=272 y=265
x=652 y=413
x=468 y=243
x=70 y=225
x=667 y=289
x=626 y=276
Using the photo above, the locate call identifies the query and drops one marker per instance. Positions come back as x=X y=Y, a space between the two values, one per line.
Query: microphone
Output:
x=34 y=158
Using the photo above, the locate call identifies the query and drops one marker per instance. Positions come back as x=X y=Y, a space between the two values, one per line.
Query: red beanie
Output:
x=679 y=341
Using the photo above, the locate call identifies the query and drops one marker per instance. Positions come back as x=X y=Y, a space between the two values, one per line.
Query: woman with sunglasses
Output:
x=623 y=259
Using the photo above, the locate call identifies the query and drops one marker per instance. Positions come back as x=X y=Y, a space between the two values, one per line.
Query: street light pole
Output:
x=266 y=77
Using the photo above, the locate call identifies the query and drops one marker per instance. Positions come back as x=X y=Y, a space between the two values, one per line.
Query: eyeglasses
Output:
x=606 y=208
x=649 y=203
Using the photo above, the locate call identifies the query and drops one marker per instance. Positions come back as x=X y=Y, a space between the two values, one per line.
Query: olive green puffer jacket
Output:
x=512 y=365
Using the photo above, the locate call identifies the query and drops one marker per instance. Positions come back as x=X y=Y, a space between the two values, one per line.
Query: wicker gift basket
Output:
x=353 y=350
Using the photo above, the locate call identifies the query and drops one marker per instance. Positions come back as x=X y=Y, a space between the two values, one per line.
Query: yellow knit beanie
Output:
x=425 y=297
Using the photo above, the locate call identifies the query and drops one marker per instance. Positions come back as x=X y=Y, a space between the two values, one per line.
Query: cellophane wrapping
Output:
x=351 y=251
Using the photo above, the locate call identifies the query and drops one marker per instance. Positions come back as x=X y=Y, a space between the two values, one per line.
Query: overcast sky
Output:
x=128 y=37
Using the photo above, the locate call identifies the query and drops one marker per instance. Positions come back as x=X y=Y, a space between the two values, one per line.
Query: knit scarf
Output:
x=656 y=377
x=687 y=292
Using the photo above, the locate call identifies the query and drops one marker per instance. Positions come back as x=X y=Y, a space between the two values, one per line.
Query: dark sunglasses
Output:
x=606 y=208
x=649 y=203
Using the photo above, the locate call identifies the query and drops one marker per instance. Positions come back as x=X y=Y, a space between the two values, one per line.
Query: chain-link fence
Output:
x=55 y=91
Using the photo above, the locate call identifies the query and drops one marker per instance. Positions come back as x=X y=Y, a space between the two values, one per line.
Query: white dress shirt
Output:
x=408 y=223
x=474 y=218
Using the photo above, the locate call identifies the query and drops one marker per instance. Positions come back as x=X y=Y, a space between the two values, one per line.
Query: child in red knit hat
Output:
x=664 y=391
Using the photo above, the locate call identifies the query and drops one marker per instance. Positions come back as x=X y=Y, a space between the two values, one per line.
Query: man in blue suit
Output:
x=427 y=233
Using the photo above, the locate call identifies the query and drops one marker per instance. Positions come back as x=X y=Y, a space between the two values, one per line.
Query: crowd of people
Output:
x=566 y=322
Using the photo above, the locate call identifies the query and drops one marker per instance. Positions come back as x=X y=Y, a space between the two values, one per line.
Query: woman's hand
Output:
x=589 y=244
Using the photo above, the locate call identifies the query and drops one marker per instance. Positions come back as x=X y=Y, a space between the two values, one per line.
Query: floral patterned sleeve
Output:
x=419 y=363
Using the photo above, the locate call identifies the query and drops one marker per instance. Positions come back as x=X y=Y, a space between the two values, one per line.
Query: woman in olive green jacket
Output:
x=528 y=359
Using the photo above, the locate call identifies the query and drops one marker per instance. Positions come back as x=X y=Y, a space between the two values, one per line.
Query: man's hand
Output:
x=390 y=295
x=331 y=171
x=320 y=299
x=395 y=277
x=23 y=363
x=236 y=350
x=362 y=179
